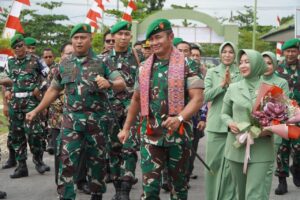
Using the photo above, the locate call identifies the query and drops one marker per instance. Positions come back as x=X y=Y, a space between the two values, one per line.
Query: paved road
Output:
x=42 y=187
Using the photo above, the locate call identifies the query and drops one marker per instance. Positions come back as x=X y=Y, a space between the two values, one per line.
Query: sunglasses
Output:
x=110 y=41
x=46 y=57
x=18 y=46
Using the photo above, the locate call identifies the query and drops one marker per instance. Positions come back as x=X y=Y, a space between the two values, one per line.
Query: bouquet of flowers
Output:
x=276 y=113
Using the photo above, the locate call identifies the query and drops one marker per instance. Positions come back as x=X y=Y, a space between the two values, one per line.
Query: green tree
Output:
x=98 y=42
x=286 y=19
x=185 y=22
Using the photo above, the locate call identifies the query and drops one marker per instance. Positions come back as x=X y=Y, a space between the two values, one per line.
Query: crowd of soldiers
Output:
x=95 y=112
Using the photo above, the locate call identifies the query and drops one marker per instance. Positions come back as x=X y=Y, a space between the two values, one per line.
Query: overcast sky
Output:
x=267 y=12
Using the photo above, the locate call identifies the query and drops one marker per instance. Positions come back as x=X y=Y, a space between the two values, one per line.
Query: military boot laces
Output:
x=295 y=170
x=117 y=185
x=282 y=186
x=20 y=171
x=96 y=197
x=125 y=190
x=2 y=195
x=11 y=162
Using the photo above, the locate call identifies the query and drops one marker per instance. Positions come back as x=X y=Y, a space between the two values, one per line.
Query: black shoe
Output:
x=282 y=186
x=295 y=170
x=50 y=149
x=40 y=166
x=166 y=187
x=117 y=186
x=11 y=162
x=125 y=190
x=2 y=195
x=96 y=197
x=20 y=171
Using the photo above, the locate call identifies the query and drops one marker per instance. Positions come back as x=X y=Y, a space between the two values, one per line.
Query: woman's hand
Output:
x=233 y=128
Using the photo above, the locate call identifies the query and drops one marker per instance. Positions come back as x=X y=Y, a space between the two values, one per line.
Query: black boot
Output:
x=11 y=162
x=2 y=195
x=295 y=170
x=117 y=185
x=47 y=168
x=96 y=197
x=125 y=190
x=39 y=164
x=21 y=170
x=282 y=186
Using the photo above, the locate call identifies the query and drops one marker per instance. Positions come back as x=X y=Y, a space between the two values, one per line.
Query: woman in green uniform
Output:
x=254 y=182
x=219 y=185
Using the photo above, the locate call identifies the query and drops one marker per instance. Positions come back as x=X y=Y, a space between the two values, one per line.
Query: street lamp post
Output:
x=254 y=25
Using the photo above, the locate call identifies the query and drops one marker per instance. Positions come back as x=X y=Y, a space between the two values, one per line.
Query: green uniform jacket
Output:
x=214 y=93
x=237 y=107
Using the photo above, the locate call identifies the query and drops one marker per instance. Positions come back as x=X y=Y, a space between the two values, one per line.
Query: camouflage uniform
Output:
x=127 y=65
x=292 y=74
x=85 y=122
x=162 y=149
x=54 y=117
x=26 y=75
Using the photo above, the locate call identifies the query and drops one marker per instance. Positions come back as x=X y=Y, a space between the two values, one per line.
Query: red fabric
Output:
x=14 y=23
x=127 y=17
x=94 y=24
x=100 y=4
x=8 y=52
x=294 y=132
x=93 y=15
x=132 y=5
x=26 y=2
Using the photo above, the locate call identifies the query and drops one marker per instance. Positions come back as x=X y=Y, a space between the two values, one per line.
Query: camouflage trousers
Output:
x=21 y=132
x=129 y=154
x=287 y=148
x=74 y=144
x=154 y=159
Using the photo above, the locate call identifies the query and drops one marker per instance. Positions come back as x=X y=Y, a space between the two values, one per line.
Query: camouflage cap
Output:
x=177 y=40
x=16 y=39
x=292 y=43
x=121 y=25
x=29 y=41
x=157 y=26
x=81 y=28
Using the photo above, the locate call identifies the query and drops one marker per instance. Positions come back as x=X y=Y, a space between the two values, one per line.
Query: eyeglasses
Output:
x=110 y=41
x=46 y=57
x=18 y=46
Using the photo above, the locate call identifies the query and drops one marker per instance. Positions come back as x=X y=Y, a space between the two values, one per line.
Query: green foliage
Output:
x=185 y=22
x=4 y=43
x=98 y=42
x=286 y=19
x=210 y=50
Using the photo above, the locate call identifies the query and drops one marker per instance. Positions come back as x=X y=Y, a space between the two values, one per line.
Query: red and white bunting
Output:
x=127 y=14
x=13 y=23
x=278 y=50
x=94 y=14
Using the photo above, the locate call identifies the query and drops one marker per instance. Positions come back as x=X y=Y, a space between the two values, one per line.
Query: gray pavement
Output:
x=42 y=187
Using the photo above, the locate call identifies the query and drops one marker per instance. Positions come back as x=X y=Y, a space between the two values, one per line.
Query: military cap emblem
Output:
x=161 y=25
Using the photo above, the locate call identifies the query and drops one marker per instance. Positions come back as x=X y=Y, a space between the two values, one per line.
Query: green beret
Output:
x=29 y=41
x=16 y=39
x=121 y=25
x=157 y=26
x=292 y=43
x=80 y=28
x=177 y=40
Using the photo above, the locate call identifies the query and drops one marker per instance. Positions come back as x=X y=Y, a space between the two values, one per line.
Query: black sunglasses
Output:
x=46 y=57
x=18 y=46
x=110 y=41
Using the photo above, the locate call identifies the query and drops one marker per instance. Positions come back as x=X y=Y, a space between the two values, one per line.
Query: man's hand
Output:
x=5 y=110
x=172 y=123
x=233 y=128
x=123 y=136
x=201 y=125
x=31 y=115
x=8 y=95
x=102 y=82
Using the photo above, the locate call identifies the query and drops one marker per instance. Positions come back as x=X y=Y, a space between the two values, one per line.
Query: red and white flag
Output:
x=127 y=14
x=1 y=10
x=94 y=14
x=13 y=23
x=278 y=20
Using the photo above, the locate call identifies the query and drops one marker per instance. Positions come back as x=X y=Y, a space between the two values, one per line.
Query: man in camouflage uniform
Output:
x=289 y=69
x=84 y=79
x=26 y=72
x=167 y=92
x=126 y=60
